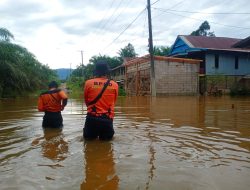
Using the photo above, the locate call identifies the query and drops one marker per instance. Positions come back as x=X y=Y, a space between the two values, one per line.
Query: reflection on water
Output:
x=160 y=143
x=151 y=164
x=99 y=166
x=53 y=144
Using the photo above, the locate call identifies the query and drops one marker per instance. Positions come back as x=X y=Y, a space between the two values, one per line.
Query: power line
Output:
x=175 y=5
x=183 y=11
x=129 y=24
x=126 y=28
x=125 y=7
x=144 y=26
x=106 y=23
x=101 y=23
x=230 y=26
x=180 y=2
x=108 y=20
x=136 y=38
x=111 y=5
x=155 y=2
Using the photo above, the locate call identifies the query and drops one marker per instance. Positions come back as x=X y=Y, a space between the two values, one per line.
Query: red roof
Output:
x=210 y=42
x=245 y=43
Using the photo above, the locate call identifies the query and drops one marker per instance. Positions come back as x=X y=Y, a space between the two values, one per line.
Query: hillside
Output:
x=63 y=73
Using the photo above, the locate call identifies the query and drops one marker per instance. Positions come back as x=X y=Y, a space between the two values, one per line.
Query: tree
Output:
x=203 y=30
x=127 y=51
x=20 y=71
x=112 y=61
x=5 y=35
x=161 y=50
x=84 y=72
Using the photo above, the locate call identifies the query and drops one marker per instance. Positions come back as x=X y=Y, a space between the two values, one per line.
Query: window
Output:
x=236 y=62
x=216 y=61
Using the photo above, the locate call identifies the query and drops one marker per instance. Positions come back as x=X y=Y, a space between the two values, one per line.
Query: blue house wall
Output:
x=179 y=47
x=226 y=64
x=226 y=60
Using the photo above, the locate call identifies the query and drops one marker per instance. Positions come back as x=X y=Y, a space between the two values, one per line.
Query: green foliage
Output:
x=112 y=61
x=214 y=83
x=239 y=90
x=161 y=50
x=215 y=80
x=127 y=51
x=75 y=86
x=20 y=71
x=5 y=35
x=203 y=30
x=121 y=92
x=85 y=72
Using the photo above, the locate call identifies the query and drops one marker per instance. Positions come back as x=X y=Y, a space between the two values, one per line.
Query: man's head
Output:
x=101 y=68
x=53 y=84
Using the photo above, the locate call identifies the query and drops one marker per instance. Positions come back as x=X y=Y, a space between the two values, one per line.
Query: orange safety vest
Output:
x=51 y=101
x=105 y=105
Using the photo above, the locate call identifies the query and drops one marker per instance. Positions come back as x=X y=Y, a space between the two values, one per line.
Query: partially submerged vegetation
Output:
x=20 y=71
x=236 y=87
x=239 y=90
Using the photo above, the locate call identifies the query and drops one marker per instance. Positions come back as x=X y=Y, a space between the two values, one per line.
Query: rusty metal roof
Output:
x=245 y=43
x=210 y=42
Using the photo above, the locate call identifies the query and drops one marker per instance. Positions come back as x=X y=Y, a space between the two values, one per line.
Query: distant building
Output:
x=228 y=58
x=173 y=76
x=118 y=75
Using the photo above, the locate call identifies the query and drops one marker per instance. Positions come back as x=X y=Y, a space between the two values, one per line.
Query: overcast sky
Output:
x=56 y=31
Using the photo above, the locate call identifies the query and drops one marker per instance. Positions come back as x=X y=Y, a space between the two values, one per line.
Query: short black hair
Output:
x=53 y=84
x=101 y=68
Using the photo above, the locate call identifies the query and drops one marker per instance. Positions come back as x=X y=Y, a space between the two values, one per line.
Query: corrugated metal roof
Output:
x=245 y=43
x=211 y=42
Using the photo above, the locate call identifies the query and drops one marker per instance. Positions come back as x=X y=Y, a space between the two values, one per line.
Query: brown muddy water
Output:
x=165 y=143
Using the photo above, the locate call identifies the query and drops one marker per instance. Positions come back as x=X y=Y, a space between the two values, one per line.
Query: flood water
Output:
x=165 y=143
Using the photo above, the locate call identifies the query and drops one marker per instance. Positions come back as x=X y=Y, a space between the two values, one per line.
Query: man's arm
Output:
x=40 y=104
x=86 y=86
x=117 y=91
x=64 y=98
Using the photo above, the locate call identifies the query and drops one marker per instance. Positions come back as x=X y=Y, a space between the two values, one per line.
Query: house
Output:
x=173 y=76
x=225 y=61
x=118 y=75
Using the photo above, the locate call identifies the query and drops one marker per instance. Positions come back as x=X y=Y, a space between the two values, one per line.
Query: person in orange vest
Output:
x=52 y=102
x=100 y=95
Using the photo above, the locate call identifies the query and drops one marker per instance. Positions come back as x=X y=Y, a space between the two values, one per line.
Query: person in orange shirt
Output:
x=100 y=94
x=52 y=102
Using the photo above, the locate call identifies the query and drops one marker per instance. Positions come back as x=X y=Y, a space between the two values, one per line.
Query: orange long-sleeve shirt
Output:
x=52 y=101
x=105 y=105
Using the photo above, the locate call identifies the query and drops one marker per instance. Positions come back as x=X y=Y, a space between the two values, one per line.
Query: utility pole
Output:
x=70 y=73
x=152 y=78
x=82 y=61
x=82 y=74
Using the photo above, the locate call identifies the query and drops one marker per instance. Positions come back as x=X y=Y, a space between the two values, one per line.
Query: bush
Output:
x=121 y=92
x=238 y=90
